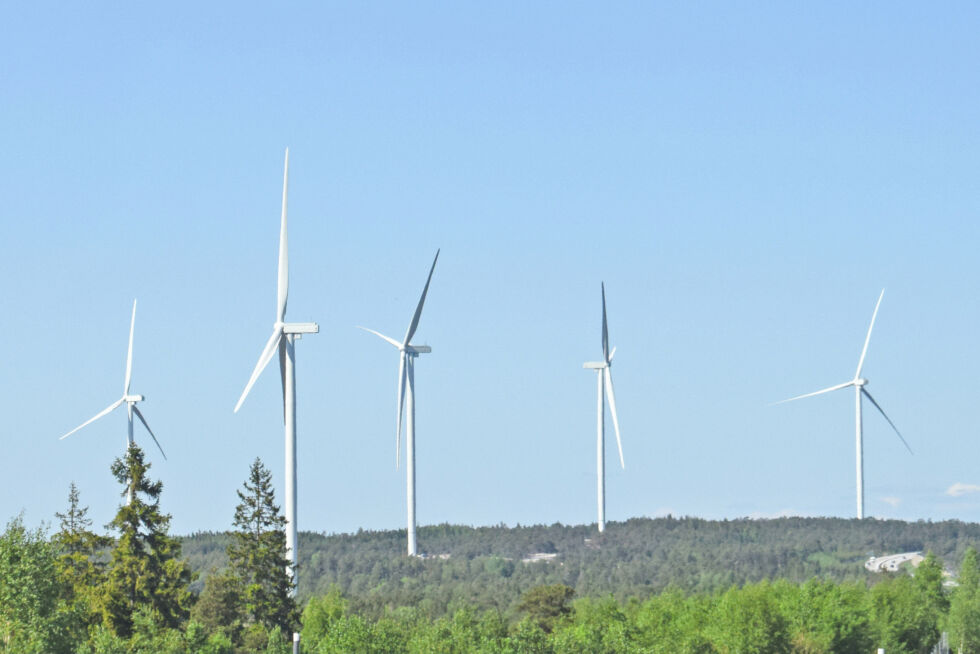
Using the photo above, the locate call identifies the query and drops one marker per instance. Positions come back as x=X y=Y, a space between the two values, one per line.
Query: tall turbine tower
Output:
x=127 y=398
x=604 y=377
x=406 y=370
x=283 y=339
x=859 y=384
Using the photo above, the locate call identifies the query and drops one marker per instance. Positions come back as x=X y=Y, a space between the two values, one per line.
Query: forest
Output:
x=644 y=585
x=633 y=559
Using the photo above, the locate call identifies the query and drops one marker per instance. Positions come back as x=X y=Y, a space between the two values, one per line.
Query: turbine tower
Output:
x=406 y=371
x=127 y=398
x=859 y=383
x=604 y=377
x=283 y=339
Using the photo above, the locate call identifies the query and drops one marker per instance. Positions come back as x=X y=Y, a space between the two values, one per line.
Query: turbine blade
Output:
x=612 y=353
x=382 y=336
x=877 y=406
x=282 y=374
x=108 y=409
x=612 y=409
x=129 y=353
x=820 y=392
x=605 y=328
x=139 y=414
x=418 y=310
x=401 y=408
x=264 y=358
x=282 y=291
x=867 y=339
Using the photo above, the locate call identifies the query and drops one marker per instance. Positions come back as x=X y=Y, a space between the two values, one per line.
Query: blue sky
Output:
x=745 y=179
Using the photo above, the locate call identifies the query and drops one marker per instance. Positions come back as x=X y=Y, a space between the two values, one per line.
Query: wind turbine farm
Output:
x=744 y=194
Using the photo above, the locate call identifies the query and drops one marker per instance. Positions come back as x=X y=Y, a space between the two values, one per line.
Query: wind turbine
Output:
x=604 y=375
x=859 y=383
x=406 y=371
x=283 y=339
x=127 y=398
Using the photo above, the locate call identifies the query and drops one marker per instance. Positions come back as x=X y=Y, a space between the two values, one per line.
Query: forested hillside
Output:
x=633 y=559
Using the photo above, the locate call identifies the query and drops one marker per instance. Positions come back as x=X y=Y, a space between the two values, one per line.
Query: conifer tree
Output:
x=146 y=570
x=79 y=565
x=257 y=555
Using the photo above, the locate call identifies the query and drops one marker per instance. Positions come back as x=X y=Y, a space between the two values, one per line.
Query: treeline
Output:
x=633 y=559
x=902 y=614
x=129 y=591
x=677 y=585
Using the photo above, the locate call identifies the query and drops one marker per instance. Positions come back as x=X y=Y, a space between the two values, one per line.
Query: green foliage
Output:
x=30 y=620
x=824 y=617
x=749 y=621
x=638 y=558
x=652 y=586
x=217 y=609
x=902 y=619
x=546 y=605
x=320 y=616
x=964 y=609
x=146 y=572
x=257 y=555
x=80 y=564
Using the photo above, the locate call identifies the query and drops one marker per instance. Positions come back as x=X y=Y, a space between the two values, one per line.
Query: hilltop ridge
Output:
x=484 y=566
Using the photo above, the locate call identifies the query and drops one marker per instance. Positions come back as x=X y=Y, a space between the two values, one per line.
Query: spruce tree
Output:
x=257 y=555
x=146 y=570
x=80 y=565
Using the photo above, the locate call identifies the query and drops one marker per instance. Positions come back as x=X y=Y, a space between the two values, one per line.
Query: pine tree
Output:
x=257 y=556
x=146 y=570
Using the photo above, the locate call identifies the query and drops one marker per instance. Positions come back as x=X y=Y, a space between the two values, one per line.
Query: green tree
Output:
x=146 y=570
x=80 y=568
x=824 y=617
x=901 y=618
x=257 y=555
x=546 y=605
x=218 y=608
x=29 y=593
x=321 y=615
x=748 y=621
x=964 y=608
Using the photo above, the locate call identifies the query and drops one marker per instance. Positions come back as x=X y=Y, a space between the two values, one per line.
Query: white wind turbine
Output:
x=127 y=398
x=605 y=385
x=283 y=339
x=859 y=384
x=406 y=370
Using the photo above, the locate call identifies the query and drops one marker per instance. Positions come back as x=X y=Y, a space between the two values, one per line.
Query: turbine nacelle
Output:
x=133 y=399
x=860 y=381
x=595 y=365
x=416 y=350
x=300 y=328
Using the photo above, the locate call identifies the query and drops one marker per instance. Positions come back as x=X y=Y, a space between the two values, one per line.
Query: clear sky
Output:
x=745 y=178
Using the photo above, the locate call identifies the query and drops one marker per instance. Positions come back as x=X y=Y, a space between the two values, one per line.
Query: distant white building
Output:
x=539 y=556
